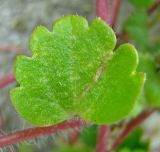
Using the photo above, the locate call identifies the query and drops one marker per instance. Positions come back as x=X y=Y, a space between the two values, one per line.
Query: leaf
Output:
x=138 y=145
x=154 y=47
x=152 y=85
x=89 y=135
x=24 y=147
x=117 y=86
x=73 y=71
x=139 y=106
x=142 y=3
x=136 y=26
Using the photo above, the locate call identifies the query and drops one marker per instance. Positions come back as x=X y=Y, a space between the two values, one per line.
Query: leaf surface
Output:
x=74 y=71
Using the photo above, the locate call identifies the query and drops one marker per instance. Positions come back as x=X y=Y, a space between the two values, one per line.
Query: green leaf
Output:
x=139 y=106
x=73 y=71
x=136 y=26
x=89 y=135
x=142 y=3
x=118 y=85
x=24 y=147
x=138 y=145
x=152 y=85
x=154 y=47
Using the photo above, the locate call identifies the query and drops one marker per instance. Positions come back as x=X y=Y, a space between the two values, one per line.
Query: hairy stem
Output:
x=103 y=10
x=31 y=133
x=116 y=4
x=7 y=80
x=131 y=126
x=74 y=136
x=102 y=139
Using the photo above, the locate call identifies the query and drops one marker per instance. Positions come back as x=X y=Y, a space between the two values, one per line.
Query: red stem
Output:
x=116 y=4
x=6 y=80
x=74 y=136
x=103 y=10
x=11 y=48
x=108 y=10
x=102 y=138
x=131 y=126
x=153 y=7
x=31 y=133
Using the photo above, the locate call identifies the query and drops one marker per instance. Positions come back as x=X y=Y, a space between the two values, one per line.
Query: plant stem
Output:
x=131 y=126
x=6 y=80
x=116 y=4
x=12 y=48
x=103 y=10
x=74 y=136
x=108 y=10
x=102 y=138
x=31 y=133
x=153 y=7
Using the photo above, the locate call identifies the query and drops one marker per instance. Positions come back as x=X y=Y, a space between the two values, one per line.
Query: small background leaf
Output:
x=134 y=142
x=136 y=26
x=152 y=85
x=142 y=3
x=89 y=135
